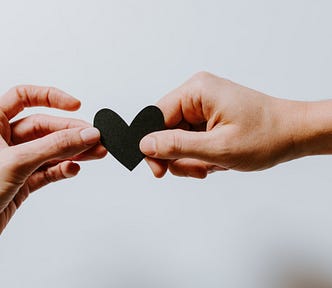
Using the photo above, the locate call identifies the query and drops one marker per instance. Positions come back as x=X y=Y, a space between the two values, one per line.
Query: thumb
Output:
x=177 y=144
x=63 y=144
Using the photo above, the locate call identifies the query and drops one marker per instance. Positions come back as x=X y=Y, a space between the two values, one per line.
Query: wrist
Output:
x=310 y=127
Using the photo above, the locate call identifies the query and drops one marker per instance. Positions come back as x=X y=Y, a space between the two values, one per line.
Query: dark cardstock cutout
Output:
x=121 y=140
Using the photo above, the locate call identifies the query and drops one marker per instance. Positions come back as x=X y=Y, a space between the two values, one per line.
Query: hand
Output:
x=39 y=149
x=216 y=124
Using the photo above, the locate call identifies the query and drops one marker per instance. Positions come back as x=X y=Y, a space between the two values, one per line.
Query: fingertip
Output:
x=70 y=169
x=200 y=174
x=90 y=135
x=76 y=104
x=73 y=104
x=148 y=145
x=59 y=99
x=158 y=167
x=101 y=151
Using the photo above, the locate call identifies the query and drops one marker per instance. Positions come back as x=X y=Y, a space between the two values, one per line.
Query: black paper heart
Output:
x=121 y=140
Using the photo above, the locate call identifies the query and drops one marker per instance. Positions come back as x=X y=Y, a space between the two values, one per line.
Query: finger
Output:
x=4 y=130
x=39 y=179
x=96 y=152
x=185 y=102
x=157 y=166
x=3 y=142
x=193 y=168
x=21 y=196
x=177 y=144
x=16 y=99
x=188 y=168
x=63 y=170
x=6 y=214
x=59 y=145
x=40 y=125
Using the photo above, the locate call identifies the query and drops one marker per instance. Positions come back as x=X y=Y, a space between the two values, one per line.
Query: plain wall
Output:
x=112 y=228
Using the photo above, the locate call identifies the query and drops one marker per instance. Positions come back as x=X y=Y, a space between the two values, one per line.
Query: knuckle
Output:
x=202 y=75
x=199 y=83
x=35 y=120
x=48 y=177
x=174 y=146
x=21 y=90
x=4 y=126
x=3 y=118
x=52 y=89
x=49 y=90
x=16 y=88
x=53 y=175
x=201 y=78
x=63 y=142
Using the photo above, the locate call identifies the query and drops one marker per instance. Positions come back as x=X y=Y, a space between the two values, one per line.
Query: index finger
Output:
x=20 y=97
x=185 y=103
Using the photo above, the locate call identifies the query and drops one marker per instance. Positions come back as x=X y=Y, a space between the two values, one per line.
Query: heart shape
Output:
x=121 y=140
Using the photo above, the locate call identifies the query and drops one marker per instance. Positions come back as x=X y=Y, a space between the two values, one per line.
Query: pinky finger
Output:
x=47 y=175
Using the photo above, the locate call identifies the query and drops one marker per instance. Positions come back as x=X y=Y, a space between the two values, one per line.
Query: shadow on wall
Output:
x=308 y=281
x=301 y=270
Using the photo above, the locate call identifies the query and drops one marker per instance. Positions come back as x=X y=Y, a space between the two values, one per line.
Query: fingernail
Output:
x=148 y=145
x=90 y=135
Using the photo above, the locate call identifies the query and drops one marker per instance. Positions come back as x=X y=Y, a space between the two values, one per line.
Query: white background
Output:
x=112 y=228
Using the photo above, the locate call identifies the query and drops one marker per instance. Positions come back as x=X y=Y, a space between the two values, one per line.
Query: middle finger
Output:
x=40 y=125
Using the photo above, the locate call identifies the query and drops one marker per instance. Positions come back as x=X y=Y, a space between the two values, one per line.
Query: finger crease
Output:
x=25 y=99
x=47 y=176
x=48 y=93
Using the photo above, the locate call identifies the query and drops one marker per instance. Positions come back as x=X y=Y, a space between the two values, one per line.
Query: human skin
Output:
x=215 y=124
x=39 y=149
